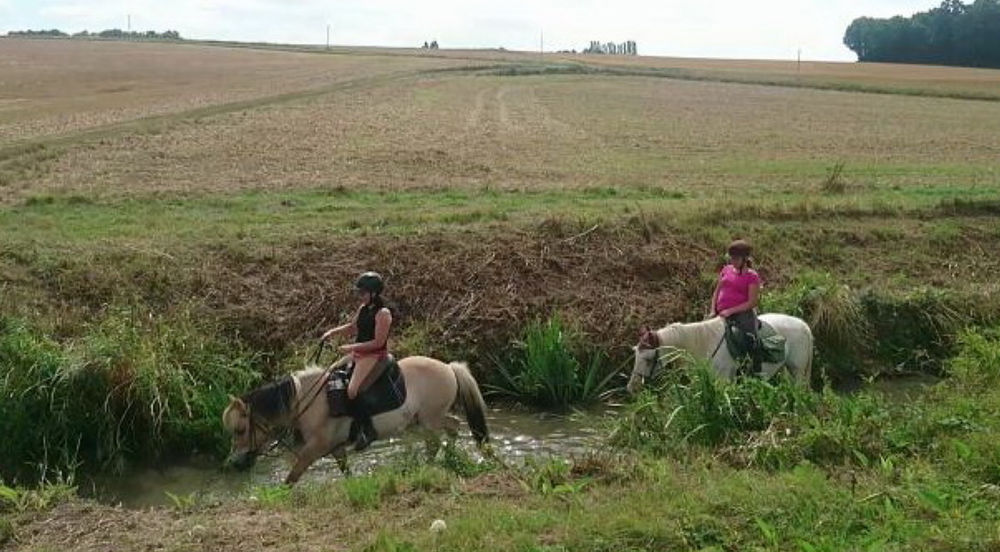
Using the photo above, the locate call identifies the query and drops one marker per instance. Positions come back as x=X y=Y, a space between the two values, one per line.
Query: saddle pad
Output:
x=386 y=393
x=772 y=343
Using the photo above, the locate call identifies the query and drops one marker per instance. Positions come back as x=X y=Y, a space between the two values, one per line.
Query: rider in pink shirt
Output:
x=738 y=291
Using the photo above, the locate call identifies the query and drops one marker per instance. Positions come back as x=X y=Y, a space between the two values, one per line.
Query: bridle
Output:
x=254 y=425
x=649 y=340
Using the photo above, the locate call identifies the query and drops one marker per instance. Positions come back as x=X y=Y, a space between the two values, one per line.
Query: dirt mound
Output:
x=470 y=292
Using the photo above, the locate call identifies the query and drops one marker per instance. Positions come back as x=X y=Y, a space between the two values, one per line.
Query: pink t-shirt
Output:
x=734 y=288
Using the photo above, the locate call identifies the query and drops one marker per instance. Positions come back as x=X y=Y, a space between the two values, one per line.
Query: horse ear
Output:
x=237 y=403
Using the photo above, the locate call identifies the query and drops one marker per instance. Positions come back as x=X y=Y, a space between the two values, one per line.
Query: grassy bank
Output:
x=134 y=387
x=148 y=352
x=699 y=465
x=161 y=247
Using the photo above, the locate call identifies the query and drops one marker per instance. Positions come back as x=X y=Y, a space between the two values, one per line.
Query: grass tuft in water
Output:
x=551 y=368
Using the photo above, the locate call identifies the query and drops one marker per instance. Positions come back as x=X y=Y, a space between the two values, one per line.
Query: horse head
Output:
x=251 y=421
x=248 y=437
x=645 y=358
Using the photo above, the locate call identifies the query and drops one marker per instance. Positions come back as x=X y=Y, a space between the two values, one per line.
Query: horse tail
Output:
x=805 y=373
x=472 y=402
x=809 y=363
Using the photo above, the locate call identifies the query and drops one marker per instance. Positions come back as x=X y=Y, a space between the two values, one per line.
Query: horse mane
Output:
x=273 y=399
x=309 y=370
x=695 y=337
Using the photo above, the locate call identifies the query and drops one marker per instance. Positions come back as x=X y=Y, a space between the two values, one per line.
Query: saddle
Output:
x=387 y=391
x=768 y=343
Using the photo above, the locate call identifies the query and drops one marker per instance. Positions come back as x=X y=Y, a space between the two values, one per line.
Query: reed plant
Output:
x=133 y=387
x=553 y=368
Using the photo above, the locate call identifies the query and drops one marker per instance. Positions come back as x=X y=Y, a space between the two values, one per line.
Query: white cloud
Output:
x=723 y=28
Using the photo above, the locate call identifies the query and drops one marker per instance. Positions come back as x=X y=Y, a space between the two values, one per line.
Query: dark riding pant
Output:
x=747 y=324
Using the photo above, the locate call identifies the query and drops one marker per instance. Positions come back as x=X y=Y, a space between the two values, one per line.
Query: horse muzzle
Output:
x=241 y=462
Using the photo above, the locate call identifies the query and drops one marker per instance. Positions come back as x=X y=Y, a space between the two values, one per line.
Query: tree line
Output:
x=953 y=33
x=107 y=33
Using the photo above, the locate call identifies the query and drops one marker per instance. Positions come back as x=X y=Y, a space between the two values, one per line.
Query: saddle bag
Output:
x=336 y=392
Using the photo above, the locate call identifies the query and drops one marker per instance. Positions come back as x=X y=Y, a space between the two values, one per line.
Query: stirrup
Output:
x=365 y=437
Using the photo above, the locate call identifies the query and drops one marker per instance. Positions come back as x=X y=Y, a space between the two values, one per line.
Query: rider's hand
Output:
x=725 y=313
x=346 y=348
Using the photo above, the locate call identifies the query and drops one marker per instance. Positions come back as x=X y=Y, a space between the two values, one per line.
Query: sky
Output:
x=766 y=29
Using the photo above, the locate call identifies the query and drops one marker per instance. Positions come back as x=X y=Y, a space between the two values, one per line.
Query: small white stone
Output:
x=438 y=525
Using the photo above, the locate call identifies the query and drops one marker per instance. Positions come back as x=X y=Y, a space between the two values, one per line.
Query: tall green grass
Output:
x=134 y=387
x=869 y=333
x=841 y=330
x=779 y=425
x=552 y=368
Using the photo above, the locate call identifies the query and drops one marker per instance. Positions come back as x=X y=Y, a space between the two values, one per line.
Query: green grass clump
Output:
x=694 y=407
x=362 y=492
x=839 y=325
x=133 y=387
x=551 y=368
x=779 y=425
x=916 y=330
x=977 y=364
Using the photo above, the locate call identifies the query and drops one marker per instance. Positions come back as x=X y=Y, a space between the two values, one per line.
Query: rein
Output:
x=314 y=391
x=719 y=346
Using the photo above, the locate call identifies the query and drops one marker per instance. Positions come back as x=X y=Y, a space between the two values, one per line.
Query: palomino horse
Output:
x=705 y=340
x=298 y=403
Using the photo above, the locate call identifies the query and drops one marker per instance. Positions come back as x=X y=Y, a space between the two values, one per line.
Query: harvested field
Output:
x=699 y=139
x=360 y=151
x=879 y=76
x=58 y=86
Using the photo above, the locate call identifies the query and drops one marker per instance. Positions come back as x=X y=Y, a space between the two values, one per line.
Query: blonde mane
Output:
x=698 y=338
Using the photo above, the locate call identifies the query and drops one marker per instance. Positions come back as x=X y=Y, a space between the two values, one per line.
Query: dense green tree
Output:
x=954 y=33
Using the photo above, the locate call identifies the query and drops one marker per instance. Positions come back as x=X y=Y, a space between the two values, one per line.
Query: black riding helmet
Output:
x=370 y=282
x=740 y=248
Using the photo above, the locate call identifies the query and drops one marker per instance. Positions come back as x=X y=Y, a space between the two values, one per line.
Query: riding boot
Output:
x=756 y=356
x=362 y=431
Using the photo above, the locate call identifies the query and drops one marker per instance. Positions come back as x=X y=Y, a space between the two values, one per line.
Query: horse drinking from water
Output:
x=706 y=340
x=299 y=403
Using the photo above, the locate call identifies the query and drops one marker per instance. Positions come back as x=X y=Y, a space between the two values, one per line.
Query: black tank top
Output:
x=366 y=322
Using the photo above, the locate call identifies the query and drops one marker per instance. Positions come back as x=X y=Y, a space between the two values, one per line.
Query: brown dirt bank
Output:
x=460 y=294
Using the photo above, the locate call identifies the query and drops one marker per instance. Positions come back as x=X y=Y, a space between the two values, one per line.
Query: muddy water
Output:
x=515 y=436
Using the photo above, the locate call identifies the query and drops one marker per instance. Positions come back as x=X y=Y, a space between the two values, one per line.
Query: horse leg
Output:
x=309 y=453
x=340 y=455
x=432 y=425
x=450 y=425
x=432 y=443
x=635 y=383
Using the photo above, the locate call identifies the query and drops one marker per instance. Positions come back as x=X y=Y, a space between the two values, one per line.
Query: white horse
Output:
x=705 y=340
x=298 y=402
